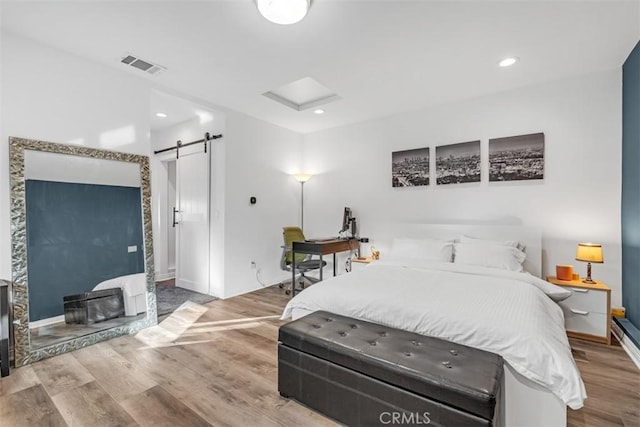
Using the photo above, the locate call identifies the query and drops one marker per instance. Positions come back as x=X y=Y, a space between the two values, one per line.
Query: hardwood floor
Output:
x=217 y=365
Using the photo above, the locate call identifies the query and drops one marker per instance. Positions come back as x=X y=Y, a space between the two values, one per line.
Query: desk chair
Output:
x=304 y=263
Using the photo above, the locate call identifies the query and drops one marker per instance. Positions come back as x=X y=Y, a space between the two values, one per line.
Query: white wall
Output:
x=170 y=227
x=253 y=158
x=578 y=200
x=53 y=96
x=260 y=160
x=43 y=166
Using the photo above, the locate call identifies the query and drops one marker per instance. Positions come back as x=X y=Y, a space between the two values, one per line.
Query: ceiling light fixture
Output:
x=318 y=111
x=163 y=115
x=507 y=62
x=283 y=12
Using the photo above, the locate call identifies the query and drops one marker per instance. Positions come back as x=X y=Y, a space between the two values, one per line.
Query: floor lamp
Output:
x=302 y=178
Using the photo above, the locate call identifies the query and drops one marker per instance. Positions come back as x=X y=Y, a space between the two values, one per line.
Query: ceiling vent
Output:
x=142 y=64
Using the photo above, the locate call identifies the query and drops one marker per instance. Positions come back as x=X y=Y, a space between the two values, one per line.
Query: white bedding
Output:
x=499 y=311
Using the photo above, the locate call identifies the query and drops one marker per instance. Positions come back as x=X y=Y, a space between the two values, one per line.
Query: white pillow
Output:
x=510 y=243
x=493 y=256
x=424 y=249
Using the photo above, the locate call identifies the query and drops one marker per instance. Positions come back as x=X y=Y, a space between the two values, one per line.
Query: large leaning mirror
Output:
x=81 y=247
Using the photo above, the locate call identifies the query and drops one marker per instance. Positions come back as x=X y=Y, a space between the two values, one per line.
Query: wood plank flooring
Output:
x=217 y=365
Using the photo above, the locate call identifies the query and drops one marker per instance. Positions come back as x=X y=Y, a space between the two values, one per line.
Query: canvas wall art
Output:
x=410 y=168
x=458 y=163
x=516 y=158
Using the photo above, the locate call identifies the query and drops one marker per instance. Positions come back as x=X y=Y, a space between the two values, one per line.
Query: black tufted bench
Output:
x=364 y=374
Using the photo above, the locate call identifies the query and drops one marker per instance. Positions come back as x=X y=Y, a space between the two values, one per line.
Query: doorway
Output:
x=182 y=192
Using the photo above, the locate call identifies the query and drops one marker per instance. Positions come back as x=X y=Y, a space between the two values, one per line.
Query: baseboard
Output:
x=618 y=329
x=165 y=276
x=46 y=322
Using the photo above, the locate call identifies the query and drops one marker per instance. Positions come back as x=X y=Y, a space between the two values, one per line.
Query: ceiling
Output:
x=381 y=57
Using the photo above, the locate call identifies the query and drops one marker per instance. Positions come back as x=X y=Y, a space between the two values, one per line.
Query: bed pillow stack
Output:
x=505 y=255
x=423 y=249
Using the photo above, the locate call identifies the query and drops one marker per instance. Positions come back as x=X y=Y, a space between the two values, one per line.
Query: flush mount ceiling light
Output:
x=161 y=115
x=507 y=62
x=283 y=12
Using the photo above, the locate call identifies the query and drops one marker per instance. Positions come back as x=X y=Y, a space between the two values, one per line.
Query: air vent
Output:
x=142 y=64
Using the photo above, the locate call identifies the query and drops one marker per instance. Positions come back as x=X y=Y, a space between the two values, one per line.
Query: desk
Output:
x=4 y=328
x=320 y=248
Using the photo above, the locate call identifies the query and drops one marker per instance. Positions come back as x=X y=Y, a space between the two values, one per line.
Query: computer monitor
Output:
x=346 y=219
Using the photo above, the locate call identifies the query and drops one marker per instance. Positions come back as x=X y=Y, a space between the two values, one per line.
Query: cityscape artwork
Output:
x=410 y=168
x=516 y=158
x=458 y=163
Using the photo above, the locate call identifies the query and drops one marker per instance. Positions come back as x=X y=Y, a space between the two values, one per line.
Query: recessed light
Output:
x=161 y=115
x=507 y=62
x=318 y=111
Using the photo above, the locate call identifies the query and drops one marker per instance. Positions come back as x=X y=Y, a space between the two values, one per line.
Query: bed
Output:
x=495 y=309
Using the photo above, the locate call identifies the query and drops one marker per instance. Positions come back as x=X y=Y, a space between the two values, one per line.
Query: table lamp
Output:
x=589 y=252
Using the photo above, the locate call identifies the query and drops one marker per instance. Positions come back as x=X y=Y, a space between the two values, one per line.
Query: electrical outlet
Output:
x=253 y=265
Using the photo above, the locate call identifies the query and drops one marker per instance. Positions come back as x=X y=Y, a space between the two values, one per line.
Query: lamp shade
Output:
x=302 y=177
x=283 y=12
x=589 y=252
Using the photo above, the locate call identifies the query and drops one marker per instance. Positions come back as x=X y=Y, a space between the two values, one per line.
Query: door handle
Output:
x=583 y=313
x=175 y=211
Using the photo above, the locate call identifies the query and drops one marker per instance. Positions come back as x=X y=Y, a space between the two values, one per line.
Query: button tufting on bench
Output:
x=459 y=385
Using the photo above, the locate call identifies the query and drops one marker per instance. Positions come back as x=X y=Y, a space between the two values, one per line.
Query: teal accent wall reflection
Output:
x=631 y=186
x=77 y=236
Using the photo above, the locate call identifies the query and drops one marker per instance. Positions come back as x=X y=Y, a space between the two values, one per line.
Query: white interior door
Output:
x=192 y=228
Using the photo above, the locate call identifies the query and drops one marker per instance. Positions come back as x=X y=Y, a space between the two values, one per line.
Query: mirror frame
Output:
x=24 y=354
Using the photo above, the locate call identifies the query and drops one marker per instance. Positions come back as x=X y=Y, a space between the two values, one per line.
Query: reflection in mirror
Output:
x=81 y=247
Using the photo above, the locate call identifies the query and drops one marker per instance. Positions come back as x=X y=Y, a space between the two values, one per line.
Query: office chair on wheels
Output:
x=304 y=263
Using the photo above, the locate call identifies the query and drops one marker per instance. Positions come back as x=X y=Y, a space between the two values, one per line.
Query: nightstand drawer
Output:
x=585 y=322
x=586 y=300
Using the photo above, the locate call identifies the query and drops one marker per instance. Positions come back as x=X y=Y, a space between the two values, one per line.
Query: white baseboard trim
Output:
x=628 y=345
x=165 y=276
x=46 y=322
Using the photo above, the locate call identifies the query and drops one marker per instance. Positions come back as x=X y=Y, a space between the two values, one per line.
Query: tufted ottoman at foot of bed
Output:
x=364 y=374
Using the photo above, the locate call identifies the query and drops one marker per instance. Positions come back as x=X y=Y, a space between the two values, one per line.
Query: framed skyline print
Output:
x=516 y=158
x=410 y=168
x=458 y=163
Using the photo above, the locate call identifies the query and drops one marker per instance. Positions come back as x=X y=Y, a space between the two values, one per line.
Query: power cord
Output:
x=263 y=284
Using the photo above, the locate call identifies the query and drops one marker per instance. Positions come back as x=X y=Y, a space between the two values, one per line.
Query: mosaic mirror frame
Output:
x=23 y=353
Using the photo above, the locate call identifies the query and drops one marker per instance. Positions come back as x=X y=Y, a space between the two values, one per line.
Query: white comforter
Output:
x=499 y=311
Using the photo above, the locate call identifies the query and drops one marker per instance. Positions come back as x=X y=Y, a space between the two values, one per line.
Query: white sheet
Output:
x=134 y=287
x=499 y=311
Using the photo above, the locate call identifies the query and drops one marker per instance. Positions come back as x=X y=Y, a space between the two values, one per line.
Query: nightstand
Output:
x=359 y=262
x=587 y=310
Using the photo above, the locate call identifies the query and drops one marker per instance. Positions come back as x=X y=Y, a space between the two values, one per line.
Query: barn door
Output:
x=192 y=218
